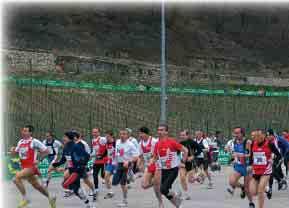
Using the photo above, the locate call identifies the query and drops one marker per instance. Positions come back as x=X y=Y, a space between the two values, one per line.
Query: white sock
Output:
x=24 y=197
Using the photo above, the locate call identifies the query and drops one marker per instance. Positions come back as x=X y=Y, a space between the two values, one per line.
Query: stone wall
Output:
x=206 y=70
x=15 y=59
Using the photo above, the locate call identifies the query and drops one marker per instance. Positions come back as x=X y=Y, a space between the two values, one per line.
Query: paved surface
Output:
x=138 y=198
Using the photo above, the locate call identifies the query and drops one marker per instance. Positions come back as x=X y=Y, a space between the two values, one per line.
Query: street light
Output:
x=163 y=75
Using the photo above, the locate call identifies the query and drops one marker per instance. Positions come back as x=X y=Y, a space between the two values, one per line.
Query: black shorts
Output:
x=258 y=177
x=120 y=175
x=202 y=162
x=189 y=166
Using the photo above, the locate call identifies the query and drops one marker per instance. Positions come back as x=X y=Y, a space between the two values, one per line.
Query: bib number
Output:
x=50 y=150
x=165 y=163
x=23 y=153
x=260 y=158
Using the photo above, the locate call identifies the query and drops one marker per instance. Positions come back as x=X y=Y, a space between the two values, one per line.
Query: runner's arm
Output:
x=275 y=151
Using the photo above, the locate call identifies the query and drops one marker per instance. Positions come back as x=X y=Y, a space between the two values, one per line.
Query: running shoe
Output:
x=178 y=198
x=243 y=193
x=282 y=185
x=109 y=195
x=251 y=205
x=186 y=196
x=124 y=203
x=67 y=193
x=52 y=201
x=23 y=203
x=269 y=193
x=210 y=185
x=230 y=191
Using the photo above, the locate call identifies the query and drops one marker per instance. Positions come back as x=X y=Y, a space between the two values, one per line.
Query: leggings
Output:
x=277 y=173
x=167 y=179
x=96 y=169
x=72 y=183
x=286 y=160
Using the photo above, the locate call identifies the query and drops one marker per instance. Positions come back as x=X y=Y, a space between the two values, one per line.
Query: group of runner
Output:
x=258 y=160
x=157 y=161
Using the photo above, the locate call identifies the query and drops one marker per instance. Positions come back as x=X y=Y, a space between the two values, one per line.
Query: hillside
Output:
x=243 y=38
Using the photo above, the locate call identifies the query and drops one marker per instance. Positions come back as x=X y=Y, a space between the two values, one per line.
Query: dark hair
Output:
x=50 y=133
x=76 y=134
x=243 y=131
x=70 y=135
x=97 y=129
x=144 y=130
x=270 y=132
x=30 y=128
x=164 y=125
x=109 y=132
x=218 y=132
x=186 y=131
x=286 y=130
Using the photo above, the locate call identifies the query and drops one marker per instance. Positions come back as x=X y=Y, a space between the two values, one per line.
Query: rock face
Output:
x=229 y=40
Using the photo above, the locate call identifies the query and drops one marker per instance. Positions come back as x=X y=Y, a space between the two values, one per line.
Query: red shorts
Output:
x=35 y=170
x=152 y=168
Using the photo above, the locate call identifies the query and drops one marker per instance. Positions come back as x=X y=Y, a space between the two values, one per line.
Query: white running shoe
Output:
x=179 y=199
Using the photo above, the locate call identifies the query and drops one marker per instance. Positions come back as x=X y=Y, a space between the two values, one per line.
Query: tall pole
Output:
x=163 y=118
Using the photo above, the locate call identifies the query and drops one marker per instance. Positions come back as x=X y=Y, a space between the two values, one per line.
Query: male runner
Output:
x=152 y=172
x=27 y=149
x=261 y=158
x=125 y=154
x=193 y=151
x=241 y=155
x=53 y=146
x=76 y=157
x=110 y=162
x=202 y=160
x=99 y=152
x=166 y=152
x=134 y=169
x=283 y=147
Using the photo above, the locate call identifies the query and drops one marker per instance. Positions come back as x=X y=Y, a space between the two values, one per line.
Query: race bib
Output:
x=165 y=163
x=147 y=156
x=96 y=148
x=121 y=152
x=50 y=150
x=259 y=158
x=23 y=153
x=69 y=161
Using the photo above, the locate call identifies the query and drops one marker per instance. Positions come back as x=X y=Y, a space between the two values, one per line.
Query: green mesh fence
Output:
x=60 y=105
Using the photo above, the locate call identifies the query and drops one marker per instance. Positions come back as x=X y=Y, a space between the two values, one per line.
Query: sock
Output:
x=24 y=197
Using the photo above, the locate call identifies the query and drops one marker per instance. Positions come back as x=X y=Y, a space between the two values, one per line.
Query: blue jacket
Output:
x=283 y=145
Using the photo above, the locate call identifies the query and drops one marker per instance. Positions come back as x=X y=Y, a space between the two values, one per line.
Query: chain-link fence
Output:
x=59 y=106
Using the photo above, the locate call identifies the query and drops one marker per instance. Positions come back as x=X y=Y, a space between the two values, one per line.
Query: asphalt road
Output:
x=139 y=198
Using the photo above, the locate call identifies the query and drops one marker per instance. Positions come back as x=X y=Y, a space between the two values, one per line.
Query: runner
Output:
x=152 y=172
x=99 y=152
x=283 y=147
x=134 y=168
x=202 y=160
x=187 y=171
x=166 y=152
x=261 y=158
x=53 y=146
x=241 y=154
x=80 y=139
x=285 y=135
x=27 y=149
x=125 y=154
x=110 y=163
x=76 y=157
